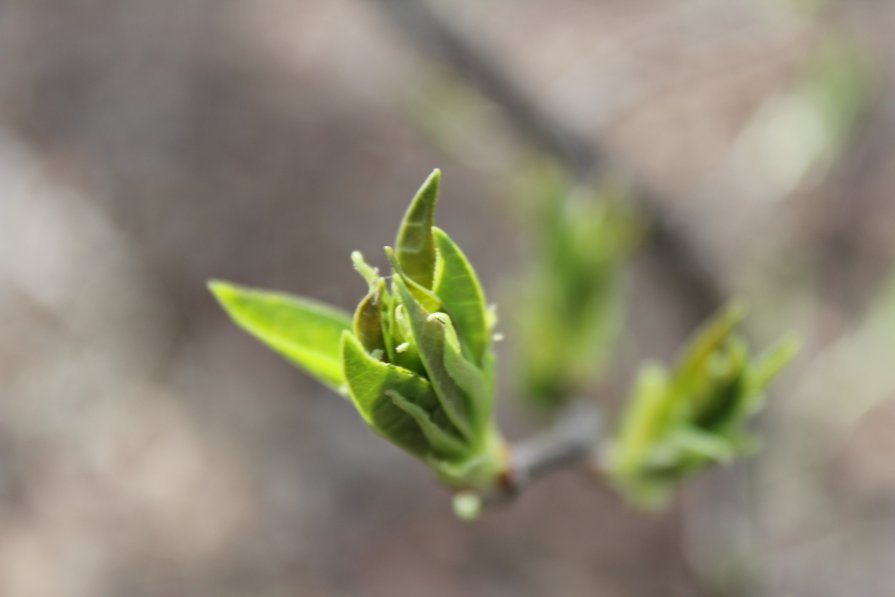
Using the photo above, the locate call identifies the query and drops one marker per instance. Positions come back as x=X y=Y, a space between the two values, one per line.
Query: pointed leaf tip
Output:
x=218 y=288
x=305 y=331
x=415 y=244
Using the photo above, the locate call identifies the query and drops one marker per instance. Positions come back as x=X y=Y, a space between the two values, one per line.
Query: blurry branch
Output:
x=699 y=289
x=446 y=43
x=853 y=259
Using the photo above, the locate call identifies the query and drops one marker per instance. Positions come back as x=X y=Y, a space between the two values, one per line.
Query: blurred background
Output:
x=150 y=448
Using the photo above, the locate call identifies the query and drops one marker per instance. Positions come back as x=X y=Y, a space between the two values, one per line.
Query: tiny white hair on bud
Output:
x=402 y=347
x=496 y=337
x=377 y=354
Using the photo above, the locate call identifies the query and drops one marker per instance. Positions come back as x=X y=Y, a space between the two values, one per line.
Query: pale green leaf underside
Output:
x=306 y=332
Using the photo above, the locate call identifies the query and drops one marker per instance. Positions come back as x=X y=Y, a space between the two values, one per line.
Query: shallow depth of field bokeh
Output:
x=149 y=448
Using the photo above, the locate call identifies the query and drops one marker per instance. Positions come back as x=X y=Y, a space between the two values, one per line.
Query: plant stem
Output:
x=572 y=441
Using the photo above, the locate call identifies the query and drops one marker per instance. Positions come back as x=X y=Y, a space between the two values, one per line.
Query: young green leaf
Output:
x=569 y=309
x=407 y=353
x=415 y=245
x=688 y=447
x=459 y=290
x=413 y=378
x=680 y=422
x=644 y=421
x=306 y=332
x=430 y=337
x=425 y=296
x=471 y=380
x=443 y=443
x=372 y=384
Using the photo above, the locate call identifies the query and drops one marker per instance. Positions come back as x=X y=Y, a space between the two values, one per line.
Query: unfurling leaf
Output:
x=415 y=359
x=569 y=309
x=679 y=422
x=705 y=344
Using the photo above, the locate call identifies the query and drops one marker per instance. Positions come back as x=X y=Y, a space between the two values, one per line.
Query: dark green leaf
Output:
x=444 y=444
x=701 y=348
x=370 y=381
x=717 y=400
x=368 y=320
